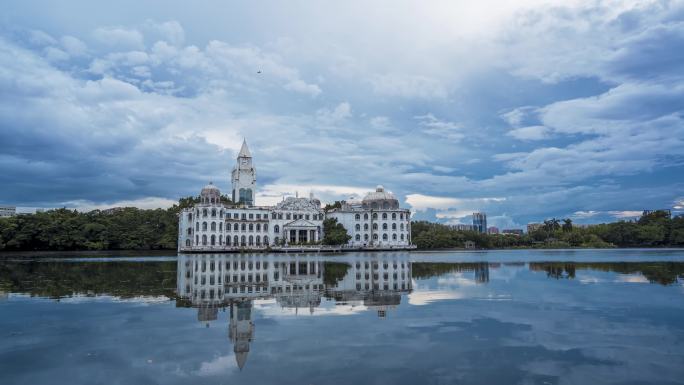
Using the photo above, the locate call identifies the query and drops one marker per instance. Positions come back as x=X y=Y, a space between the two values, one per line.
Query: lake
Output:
x=494 y=317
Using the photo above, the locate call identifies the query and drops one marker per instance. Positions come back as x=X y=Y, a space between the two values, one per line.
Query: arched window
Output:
x=273 y=215
x=213 y=240
x=384 y=237
x=401 y=226
x=358 y=227
x=204 y=226
x=265 y=226
x=375 y=215
x=213 y=212
x=375 y=237
x=251 y=240
x=204 y=212
x=276 y=229
x=204 y=240
x=258 y=227
x=220 y=239
x=243 y=241
x=265 y=240
x=394 y=226
x=384 y=215
x=236 y=226
x=365 y=216
x=276 y=241
x=357 y=217
x=365 y=237
x=187 y=243
x=258 y=240
x=394 y=237
x=401 y=215
x=251 y=227
x=236 y=241
x=220 y=226
x=384 y=226
x=402 y=237
x=394 y=216
x=197 y=226
x=227 y=244
x=213 y=226
x=375 y=226
x=365 y=226
x=243 y=227
x=197 y=239
x=358 y=237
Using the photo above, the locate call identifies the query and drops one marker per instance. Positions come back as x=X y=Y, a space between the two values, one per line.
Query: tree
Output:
x=334 y=233
x=567 y=225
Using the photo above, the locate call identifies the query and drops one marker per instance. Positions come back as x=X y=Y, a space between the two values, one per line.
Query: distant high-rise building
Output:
x=480 y=222
x=513 y=231
x=7 y=211
x=493 y=230
x=462 y=227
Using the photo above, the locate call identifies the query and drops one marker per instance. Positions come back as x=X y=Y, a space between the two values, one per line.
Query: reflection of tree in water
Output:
x=664 y=273
x=65 y=279
x=424 y=270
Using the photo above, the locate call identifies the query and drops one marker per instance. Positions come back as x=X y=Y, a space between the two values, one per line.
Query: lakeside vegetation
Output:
x=139 y=229
x=653 y=230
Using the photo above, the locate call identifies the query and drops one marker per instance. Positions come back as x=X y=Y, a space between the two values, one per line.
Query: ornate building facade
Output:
x=214 y=224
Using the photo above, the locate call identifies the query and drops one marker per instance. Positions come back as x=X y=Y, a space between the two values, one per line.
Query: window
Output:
x=280 y=215
x=204 y=226
x=213 y=212
x=384 y=237
x=236 y=242
x=375 y=215
x=228 y=226
x=258 y=243
x=236 y=227
x=385 y=205
x=274 y=215
x=394 y=216
x=365 y=237
x=365 y=226
x=258 y=227
x=375 y=237
x=402 y=237
x=244 y=216
x=384 y=216
x=288 y=216
x=236 y=216
x=197 y=239
x=243 y=227
x=243 y=241
x=265 y=244
x=227 y=244
x=258 y=216
x=401 y=215
x=358 y=227
x=358 y=237
x=220 y=239
x=221 y=214
x=394 y=226
x=220 y=226
x=251 y=240
x=375 y=226
x=187 y=243
x=365 y=217
x=197 y=226
x=204 y=240
x=189 y=216
x=213 y=240
x=204 y=212
x=307 y=217
x=384 y=226
x=251 y=216
x=401 y=226
x=189 y=230
x=265 y=226
x=213 y=226
x=394 y=237
x=276 y=229
x=251 y=227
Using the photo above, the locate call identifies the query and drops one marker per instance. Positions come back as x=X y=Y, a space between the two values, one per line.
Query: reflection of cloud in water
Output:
x=632 y=278
x=420 y=298
x=272 y=309
x=218 y=365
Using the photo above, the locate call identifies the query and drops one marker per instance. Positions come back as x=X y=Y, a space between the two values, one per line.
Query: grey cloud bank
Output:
x=553 y=109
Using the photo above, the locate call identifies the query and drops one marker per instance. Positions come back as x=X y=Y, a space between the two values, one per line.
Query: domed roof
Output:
x=379 y=194
x=210 y=189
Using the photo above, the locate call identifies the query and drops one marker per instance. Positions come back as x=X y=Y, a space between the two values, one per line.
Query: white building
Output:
x=214 y=224
x=7 y=211
x=376 y=221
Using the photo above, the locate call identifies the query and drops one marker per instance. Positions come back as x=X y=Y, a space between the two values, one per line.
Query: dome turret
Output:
x=380 y=199
x=210 y=194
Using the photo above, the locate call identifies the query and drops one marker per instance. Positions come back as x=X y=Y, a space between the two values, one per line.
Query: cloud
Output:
x=119 y=38
x=530 y=133
x=440 y=128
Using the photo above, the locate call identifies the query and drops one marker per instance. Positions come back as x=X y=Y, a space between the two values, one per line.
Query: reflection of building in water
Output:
x=482 y=272
x=210 y=282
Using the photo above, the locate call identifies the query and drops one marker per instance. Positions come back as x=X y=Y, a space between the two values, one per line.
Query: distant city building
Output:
x=584 y=225
x=461 y=227
x=513 y=231
x=666 y=211
x=493 y=230
x=7 y=211
x=469 y=244
x=534 y=227
x=480 y=222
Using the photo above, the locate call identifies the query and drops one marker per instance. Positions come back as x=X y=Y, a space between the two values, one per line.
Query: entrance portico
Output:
x=301 y=231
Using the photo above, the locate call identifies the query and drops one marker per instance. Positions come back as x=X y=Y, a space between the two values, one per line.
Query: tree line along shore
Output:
x=130 y=228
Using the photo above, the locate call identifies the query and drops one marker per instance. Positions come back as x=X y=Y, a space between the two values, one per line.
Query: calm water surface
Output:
x=502 y=317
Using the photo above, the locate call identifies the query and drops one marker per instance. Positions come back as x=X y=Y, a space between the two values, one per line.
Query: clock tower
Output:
x=244 y=178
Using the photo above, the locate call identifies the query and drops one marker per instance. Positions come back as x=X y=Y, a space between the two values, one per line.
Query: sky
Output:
x=525 y=110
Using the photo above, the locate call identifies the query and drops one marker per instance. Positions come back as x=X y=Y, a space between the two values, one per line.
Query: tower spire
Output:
x=244 y=150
